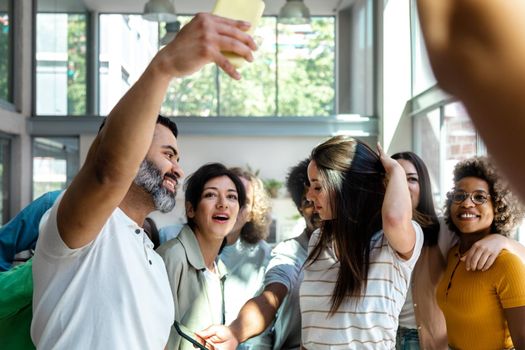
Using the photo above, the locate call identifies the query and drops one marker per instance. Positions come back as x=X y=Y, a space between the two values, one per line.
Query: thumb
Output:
x=207 y=333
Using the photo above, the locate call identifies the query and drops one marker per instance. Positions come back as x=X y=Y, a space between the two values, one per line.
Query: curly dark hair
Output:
x=258 y=227
x=296 y=181
x=508 y=211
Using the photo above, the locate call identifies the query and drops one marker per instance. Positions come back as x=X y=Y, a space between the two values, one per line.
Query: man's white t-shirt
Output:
x=112 y=293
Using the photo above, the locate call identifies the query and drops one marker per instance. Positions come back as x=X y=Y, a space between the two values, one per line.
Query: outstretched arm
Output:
x=476 y=49
x=254 y=317
x=397 y=208
x=115 y=155
x=484 y=252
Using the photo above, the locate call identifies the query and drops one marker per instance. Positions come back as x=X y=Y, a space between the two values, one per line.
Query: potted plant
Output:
x=273 y=186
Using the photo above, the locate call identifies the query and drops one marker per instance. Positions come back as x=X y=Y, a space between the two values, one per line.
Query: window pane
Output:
x=255 y=94
x=306 y=69
x=127 y=44
x=5 y=152
x=5 y=50
x=55 y=163
x=460 y=139
x=422 y=75
x=427 y=145
x=61 y=64
x=195 y=95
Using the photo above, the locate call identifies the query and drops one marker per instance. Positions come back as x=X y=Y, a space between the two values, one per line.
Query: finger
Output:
x=472 y=258
x=206 y=333
x=237 y=34
x=490 y=262
x=482 y=261
x=242 y=25
x=380 y=150
x=227 y=67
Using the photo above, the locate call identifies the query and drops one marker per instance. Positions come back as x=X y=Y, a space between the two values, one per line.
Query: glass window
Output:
x=61 y=64
x=460 y=139
x=427 y=145
x=55 y=163
x=422 y=75
x=306 y=75
x=293 y=74
x=6 y=26
x=127 y=44
x=5 y=161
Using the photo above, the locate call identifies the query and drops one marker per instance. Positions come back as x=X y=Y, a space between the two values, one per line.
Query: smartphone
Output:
x=245 y=10
x=190 y=336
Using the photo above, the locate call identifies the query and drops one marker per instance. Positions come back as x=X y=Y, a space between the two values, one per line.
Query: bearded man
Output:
x=98 y=283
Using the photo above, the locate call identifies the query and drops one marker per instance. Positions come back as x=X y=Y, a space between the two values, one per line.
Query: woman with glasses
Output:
x=483 y=309
x=421 y=322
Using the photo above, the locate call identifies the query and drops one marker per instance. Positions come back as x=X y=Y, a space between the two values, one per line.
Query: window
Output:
x=61 y=64
x=5 y=161
x=422 y=75
x=293 y=73
x=55 y=163
x=6 y=30
x=443 y=137
x=127 y=44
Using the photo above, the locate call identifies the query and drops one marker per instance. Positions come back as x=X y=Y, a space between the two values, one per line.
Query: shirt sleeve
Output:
x=284 y=267
x=511 y=274
x=16 y=289
x=410 y=263
x=50 y=244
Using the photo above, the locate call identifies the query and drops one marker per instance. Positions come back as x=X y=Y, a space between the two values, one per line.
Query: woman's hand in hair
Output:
x=388 y=163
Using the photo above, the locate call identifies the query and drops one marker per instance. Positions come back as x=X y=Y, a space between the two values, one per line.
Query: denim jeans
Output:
x=407 y=339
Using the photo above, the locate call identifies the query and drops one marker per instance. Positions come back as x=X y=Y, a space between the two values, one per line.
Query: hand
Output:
x=388 y=163
x=219 y=337
x=484 y=252
x=202 y=41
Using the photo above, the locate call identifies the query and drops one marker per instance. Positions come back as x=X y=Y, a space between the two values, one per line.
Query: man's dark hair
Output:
x=296 y=181
x=160 y=120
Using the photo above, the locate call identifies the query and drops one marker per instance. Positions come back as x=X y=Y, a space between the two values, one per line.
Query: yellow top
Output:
x=245 y=10
x=473 y=301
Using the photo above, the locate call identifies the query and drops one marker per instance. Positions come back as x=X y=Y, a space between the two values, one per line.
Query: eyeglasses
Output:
x=477 y=197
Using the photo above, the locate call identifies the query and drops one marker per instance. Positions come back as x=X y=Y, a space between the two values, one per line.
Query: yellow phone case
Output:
x=245 y=10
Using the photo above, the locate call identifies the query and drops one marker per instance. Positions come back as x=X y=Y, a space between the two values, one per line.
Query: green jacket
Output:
x=16 y=310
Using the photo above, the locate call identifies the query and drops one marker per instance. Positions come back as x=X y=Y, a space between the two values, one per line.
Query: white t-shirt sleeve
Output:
x=283 y=267
x=417 y=248
x=49 y=241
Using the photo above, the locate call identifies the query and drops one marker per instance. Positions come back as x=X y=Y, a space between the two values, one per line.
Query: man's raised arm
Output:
x=115 y=155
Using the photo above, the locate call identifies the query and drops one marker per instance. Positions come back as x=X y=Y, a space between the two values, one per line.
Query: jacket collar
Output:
x=193 y=251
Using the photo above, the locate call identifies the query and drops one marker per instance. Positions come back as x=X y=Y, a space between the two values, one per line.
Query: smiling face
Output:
x=412 y=180
x=159 y=172
x=468 y=217
x=318 y=194
x=217 y=210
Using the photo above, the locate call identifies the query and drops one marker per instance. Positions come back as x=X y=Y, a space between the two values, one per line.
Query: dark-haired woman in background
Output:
x=213 y=196
x=359 y=265
x=421 y=321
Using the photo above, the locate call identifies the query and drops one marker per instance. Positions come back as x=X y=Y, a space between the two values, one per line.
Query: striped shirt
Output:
x=370 y=323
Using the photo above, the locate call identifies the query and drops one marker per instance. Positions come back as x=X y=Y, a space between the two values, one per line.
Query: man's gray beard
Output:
x=150 y=179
